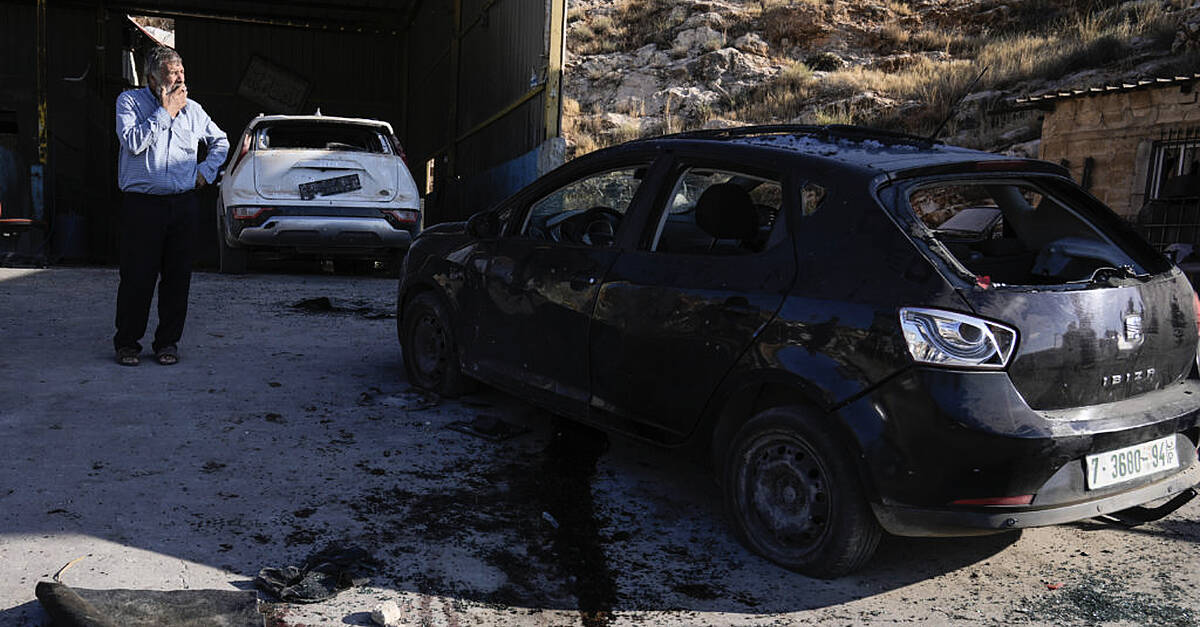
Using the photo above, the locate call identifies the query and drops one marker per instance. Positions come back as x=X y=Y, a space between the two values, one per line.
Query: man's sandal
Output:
x=127 y=356
x=167 y=356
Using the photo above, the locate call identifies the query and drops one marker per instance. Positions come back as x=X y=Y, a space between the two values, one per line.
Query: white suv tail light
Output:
x=946 y=338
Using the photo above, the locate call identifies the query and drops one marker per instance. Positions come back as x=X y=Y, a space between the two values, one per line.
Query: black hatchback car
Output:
x=787 y=300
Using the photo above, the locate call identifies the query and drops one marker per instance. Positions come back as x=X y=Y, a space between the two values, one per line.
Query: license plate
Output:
x=325 y=187
x=1131 y=462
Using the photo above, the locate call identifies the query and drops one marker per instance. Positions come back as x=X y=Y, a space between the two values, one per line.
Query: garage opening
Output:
x=470 y=86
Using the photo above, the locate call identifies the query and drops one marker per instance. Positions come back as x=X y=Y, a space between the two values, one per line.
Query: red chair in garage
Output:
x=21 y=240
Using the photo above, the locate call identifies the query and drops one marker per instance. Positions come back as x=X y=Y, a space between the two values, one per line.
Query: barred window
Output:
x=1175 y=166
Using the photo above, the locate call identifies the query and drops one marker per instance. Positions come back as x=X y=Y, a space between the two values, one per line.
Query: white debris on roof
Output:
x=812 y=145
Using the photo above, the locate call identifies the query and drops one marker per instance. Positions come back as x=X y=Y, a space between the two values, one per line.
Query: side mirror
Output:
x=484 y=225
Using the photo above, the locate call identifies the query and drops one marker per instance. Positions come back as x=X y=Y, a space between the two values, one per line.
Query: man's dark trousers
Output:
x=158 y=236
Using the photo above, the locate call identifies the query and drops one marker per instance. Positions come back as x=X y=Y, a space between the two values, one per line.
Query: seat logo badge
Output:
x=1133 y=332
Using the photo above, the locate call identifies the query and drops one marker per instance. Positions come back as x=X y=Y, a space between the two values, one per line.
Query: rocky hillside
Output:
x=638 y=68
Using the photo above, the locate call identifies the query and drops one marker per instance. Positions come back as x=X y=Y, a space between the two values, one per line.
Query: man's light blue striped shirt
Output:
x=158 y=153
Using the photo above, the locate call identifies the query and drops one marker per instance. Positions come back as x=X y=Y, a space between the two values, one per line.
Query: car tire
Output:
x=429 y=347
x=794 y=496
x=230 y=260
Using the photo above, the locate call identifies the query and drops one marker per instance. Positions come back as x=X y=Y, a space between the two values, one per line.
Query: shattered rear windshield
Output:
x=342 y=137
x=1022 y=232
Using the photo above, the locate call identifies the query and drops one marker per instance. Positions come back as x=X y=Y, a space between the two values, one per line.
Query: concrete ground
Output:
x=286 y=428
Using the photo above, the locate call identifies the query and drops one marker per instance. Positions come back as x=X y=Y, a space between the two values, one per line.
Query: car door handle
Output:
x=738 y=305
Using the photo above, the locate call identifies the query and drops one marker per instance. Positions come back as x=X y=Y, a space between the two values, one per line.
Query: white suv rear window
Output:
x=345 y=137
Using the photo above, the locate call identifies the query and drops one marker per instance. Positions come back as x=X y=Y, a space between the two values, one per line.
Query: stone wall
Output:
x=1117 y=130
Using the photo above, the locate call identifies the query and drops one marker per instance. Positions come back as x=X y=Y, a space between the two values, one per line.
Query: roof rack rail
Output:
x=828 y=131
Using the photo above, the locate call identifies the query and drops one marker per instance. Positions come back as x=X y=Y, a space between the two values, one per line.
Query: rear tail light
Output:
x=1024 y=499
x=248 y=213
x=399 y=217
x=946 y=338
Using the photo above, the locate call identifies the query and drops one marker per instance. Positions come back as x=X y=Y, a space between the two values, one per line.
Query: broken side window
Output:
x=588 y=211
x=713 y=211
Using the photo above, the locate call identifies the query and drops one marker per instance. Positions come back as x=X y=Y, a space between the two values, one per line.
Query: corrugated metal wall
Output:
x=501 y=57
x=348 y=74
x=17 y=71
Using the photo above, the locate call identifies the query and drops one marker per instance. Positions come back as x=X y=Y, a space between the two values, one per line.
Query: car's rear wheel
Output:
x=430 y=351
x=794 y=496
x=230 y=260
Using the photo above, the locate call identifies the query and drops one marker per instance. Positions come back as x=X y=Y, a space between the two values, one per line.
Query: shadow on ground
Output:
x=283 y=430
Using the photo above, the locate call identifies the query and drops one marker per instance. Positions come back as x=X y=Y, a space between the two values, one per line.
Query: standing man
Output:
x=160 y=129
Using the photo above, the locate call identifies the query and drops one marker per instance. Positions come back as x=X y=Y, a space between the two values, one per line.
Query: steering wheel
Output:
x=599 y=226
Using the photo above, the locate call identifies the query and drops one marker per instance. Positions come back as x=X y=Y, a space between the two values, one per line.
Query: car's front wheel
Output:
x=430 y=351
x=794 y=497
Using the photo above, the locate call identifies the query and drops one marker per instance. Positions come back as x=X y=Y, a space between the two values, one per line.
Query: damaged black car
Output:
x=863 y=331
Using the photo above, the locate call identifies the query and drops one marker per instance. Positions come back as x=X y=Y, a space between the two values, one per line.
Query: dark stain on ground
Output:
x=300 y=536
x=543 y=501
x=700 y=591
x=566 y=490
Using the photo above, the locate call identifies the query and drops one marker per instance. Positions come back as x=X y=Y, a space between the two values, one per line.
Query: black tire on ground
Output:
x=430 y=352
x=229 y=260
x=794 y=497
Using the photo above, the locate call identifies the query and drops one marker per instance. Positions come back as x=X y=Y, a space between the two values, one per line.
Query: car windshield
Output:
x=348 y=137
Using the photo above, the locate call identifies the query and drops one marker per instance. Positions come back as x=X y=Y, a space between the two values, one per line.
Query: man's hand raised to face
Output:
x=173 y=97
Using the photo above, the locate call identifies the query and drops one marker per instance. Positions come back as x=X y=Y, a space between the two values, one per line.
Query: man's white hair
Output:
x=157 y=60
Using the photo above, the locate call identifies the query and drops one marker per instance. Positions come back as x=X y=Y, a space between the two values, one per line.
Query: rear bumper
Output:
x=912 y=521
x=325 y=233
x=930 y=438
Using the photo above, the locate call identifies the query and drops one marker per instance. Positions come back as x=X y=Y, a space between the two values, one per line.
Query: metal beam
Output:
x=526 y=97
x=312 y=16
x=556 y=44
x=40 y=44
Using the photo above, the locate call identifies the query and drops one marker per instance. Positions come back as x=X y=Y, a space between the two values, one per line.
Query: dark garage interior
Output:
x=470 y=86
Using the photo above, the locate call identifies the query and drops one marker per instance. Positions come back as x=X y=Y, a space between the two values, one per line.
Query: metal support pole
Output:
x=455 y=49
x=41 y=81
x=557 y=16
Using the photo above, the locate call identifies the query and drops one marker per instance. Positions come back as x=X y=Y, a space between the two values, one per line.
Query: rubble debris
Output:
x=323 y=304
x=488 y=427
x=386 y=614
x=413 y=399
x=334 y=568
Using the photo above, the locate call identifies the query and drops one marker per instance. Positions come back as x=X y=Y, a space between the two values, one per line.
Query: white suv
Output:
x=319 y=186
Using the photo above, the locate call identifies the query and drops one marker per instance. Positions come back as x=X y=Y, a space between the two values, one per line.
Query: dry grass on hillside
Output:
x=628 y=25
x=924 y=60
x=1055 y=50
